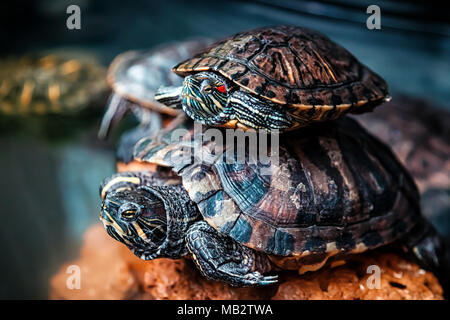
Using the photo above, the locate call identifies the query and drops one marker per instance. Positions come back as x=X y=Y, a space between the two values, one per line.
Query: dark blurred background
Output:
x=49 y=182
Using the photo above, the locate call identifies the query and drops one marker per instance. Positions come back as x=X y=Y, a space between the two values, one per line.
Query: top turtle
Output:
x=274 y=78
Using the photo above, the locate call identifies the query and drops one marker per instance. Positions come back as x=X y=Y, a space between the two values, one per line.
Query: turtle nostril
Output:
x=207 y=89
x=206 y=86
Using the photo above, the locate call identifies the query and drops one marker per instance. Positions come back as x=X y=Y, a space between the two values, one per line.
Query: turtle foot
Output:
x=219 y=257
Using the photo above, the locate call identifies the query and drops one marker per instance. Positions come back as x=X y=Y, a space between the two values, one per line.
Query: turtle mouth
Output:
x=188 y=98
x=111 y=230
x=135 y=243
x=191 y=101
x=194 y=108
x=113 y=234
x=223 y=119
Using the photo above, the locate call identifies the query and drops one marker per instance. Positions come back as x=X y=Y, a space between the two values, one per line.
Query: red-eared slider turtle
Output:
x=274 y=78
x=335 y=190
x=51 y=84
x=134 y=77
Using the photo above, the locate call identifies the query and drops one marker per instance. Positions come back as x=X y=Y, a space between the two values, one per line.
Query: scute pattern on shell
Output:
x=335 y=190
x=294 y=66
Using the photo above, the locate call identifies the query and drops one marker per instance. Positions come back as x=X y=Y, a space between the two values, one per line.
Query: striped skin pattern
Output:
x=313 y=78
x=198 y=105
x=212 y=100
x=148 y=230
x=337 y=190
x=52 y=84
x=132 y=180
x=127 y=220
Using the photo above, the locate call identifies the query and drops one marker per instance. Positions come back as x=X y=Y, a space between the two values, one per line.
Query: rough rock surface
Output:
x=110 y=271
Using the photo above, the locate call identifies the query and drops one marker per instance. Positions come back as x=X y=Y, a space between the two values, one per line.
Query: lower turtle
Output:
x=332 y=190
x=134 y=77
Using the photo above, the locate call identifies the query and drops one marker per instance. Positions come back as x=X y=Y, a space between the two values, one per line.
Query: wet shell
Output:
x=335 y=189
x=296 y=67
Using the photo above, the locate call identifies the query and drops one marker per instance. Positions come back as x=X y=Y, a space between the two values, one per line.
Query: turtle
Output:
x=134 y=77
x=335 y=191
x=273 y=78
x=55 y=83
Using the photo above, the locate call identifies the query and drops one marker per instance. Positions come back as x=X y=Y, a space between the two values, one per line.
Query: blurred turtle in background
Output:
x=134 y=76
x=62 y=84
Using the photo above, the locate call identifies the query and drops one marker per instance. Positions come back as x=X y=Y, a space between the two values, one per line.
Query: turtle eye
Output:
x=128 y=214
x=221 y=88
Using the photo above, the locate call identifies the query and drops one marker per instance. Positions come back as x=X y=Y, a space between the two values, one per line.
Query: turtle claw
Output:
x=268 y=280
x=257 y=279
x=221 y=258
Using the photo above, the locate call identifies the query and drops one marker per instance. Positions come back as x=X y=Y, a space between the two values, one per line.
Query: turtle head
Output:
x=205 y=97
x=136 y=218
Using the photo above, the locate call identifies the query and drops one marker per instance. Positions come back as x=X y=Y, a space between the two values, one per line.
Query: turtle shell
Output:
x=135 y=75
x=51 y=84
x=293 y=66
x=335 y=189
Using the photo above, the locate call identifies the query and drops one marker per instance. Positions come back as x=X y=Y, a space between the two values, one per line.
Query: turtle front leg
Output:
x=169 y=96
x=221 y=258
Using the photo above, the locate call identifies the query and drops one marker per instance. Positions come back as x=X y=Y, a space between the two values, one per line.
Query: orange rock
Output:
x=110 y=271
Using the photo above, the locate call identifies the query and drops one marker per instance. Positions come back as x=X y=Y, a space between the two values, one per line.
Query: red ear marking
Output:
x=221 y=88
